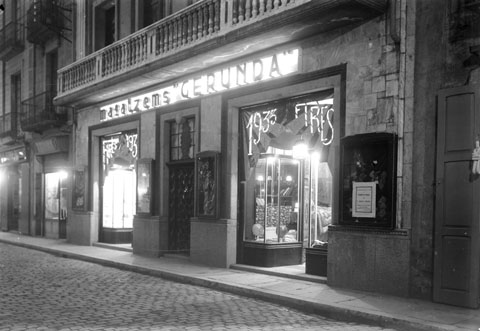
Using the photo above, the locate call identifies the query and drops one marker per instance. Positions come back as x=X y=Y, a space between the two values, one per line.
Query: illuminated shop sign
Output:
x=282 y=123
x=227 y=78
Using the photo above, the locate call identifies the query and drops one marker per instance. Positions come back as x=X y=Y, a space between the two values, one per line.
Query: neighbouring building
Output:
x=339 y=134
x=35 y=40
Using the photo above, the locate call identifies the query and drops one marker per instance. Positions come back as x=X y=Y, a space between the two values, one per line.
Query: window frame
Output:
x=99 y=8
x=282 y=230
x=178 y=147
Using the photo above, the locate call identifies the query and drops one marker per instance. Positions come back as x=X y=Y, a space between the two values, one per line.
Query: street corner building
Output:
x=338 y=135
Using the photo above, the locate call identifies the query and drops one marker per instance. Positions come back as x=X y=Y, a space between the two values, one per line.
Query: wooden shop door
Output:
x=457 y=208
x=180 y=206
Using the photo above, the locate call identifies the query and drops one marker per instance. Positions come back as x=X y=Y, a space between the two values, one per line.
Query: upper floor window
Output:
x=105 y=23
x=51 y=72
x=172 y=6
x=9 y=116
x=103 y=17
x=16 y=99
x=150 y=11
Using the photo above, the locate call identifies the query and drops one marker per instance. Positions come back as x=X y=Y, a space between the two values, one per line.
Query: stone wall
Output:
x=369 y=261
x=377 y=100
x=438 y=65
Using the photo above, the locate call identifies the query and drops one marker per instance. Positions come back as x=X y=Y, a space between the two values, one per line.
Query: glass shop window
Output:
x=288 y=170
x=320 y=193
x=119 y=199
x=56 y=195
x=182 y=139
x=120 y=152
x=277 y=197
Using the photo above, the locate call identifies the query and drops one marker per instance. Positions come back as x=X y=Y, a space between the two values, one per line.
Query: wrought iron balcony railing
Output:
x=12 y=40
x=199 y=22
x=45 y=20
x=39 y=113
x=6 y=125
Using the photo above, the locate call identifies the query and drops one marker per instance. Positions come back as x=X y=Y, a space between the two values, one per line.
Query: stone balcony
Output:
x=207 y=33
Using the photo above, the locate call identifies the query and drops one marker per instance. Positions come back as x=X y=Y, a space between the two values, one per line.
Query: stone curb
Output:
x=325 y=310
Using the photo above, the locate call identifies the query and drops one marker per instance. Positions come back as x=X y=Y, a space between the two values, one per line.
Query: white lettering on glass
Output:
x=317 y=116
x=112 y=144
x=260 y=122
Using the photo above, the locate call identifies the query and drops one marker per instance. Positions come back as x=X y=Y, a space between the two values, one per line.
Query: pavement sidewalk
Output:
x=306 y=293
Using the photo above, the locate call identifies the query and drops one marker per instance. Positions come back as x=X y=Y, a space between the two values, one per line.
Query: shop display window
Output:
x=55 y=195
x=119 y=199
x=288 y=189
x=144 y=186
x=79 y=189
x=276 y=201
x=119 y=180
x=368 y=180
x=320 y=203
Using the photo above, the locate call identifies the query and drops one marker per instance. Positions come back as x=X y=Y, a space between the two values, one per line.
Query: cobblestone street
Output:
x=39 y=291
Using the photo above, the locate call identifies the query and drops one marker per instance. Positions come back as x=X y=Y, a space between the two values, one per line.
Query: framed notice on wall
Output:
x=144 y=186
x=363 y=199
x=79 y=192
x=368 y=180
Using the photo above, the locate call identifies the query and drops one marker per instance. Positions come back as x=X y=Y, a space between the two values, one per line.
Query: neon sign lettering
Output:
x=260 y=121
x=316 y=116
x=247 y=73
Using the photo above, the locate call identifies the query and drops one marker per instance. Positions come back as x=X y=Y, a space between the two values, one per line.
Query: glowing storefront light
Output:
x=56 y=195
x=120 y=153
x=119 y=199
x=300 y=150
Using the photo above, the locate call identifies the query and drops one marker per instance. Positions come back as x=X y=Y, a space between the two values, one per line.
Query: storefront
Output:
x=288 y=170
x=118 y=177
x=112 y=152
x=55 y=219
x=220 y=113
x=239 y=167
x=13 y=177
x=239 y=163
x=51 y=177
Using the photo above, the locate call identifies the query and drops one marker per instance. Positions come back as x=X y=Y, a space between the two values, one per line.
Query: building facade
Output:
x=35 y=40
x=338 y=134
